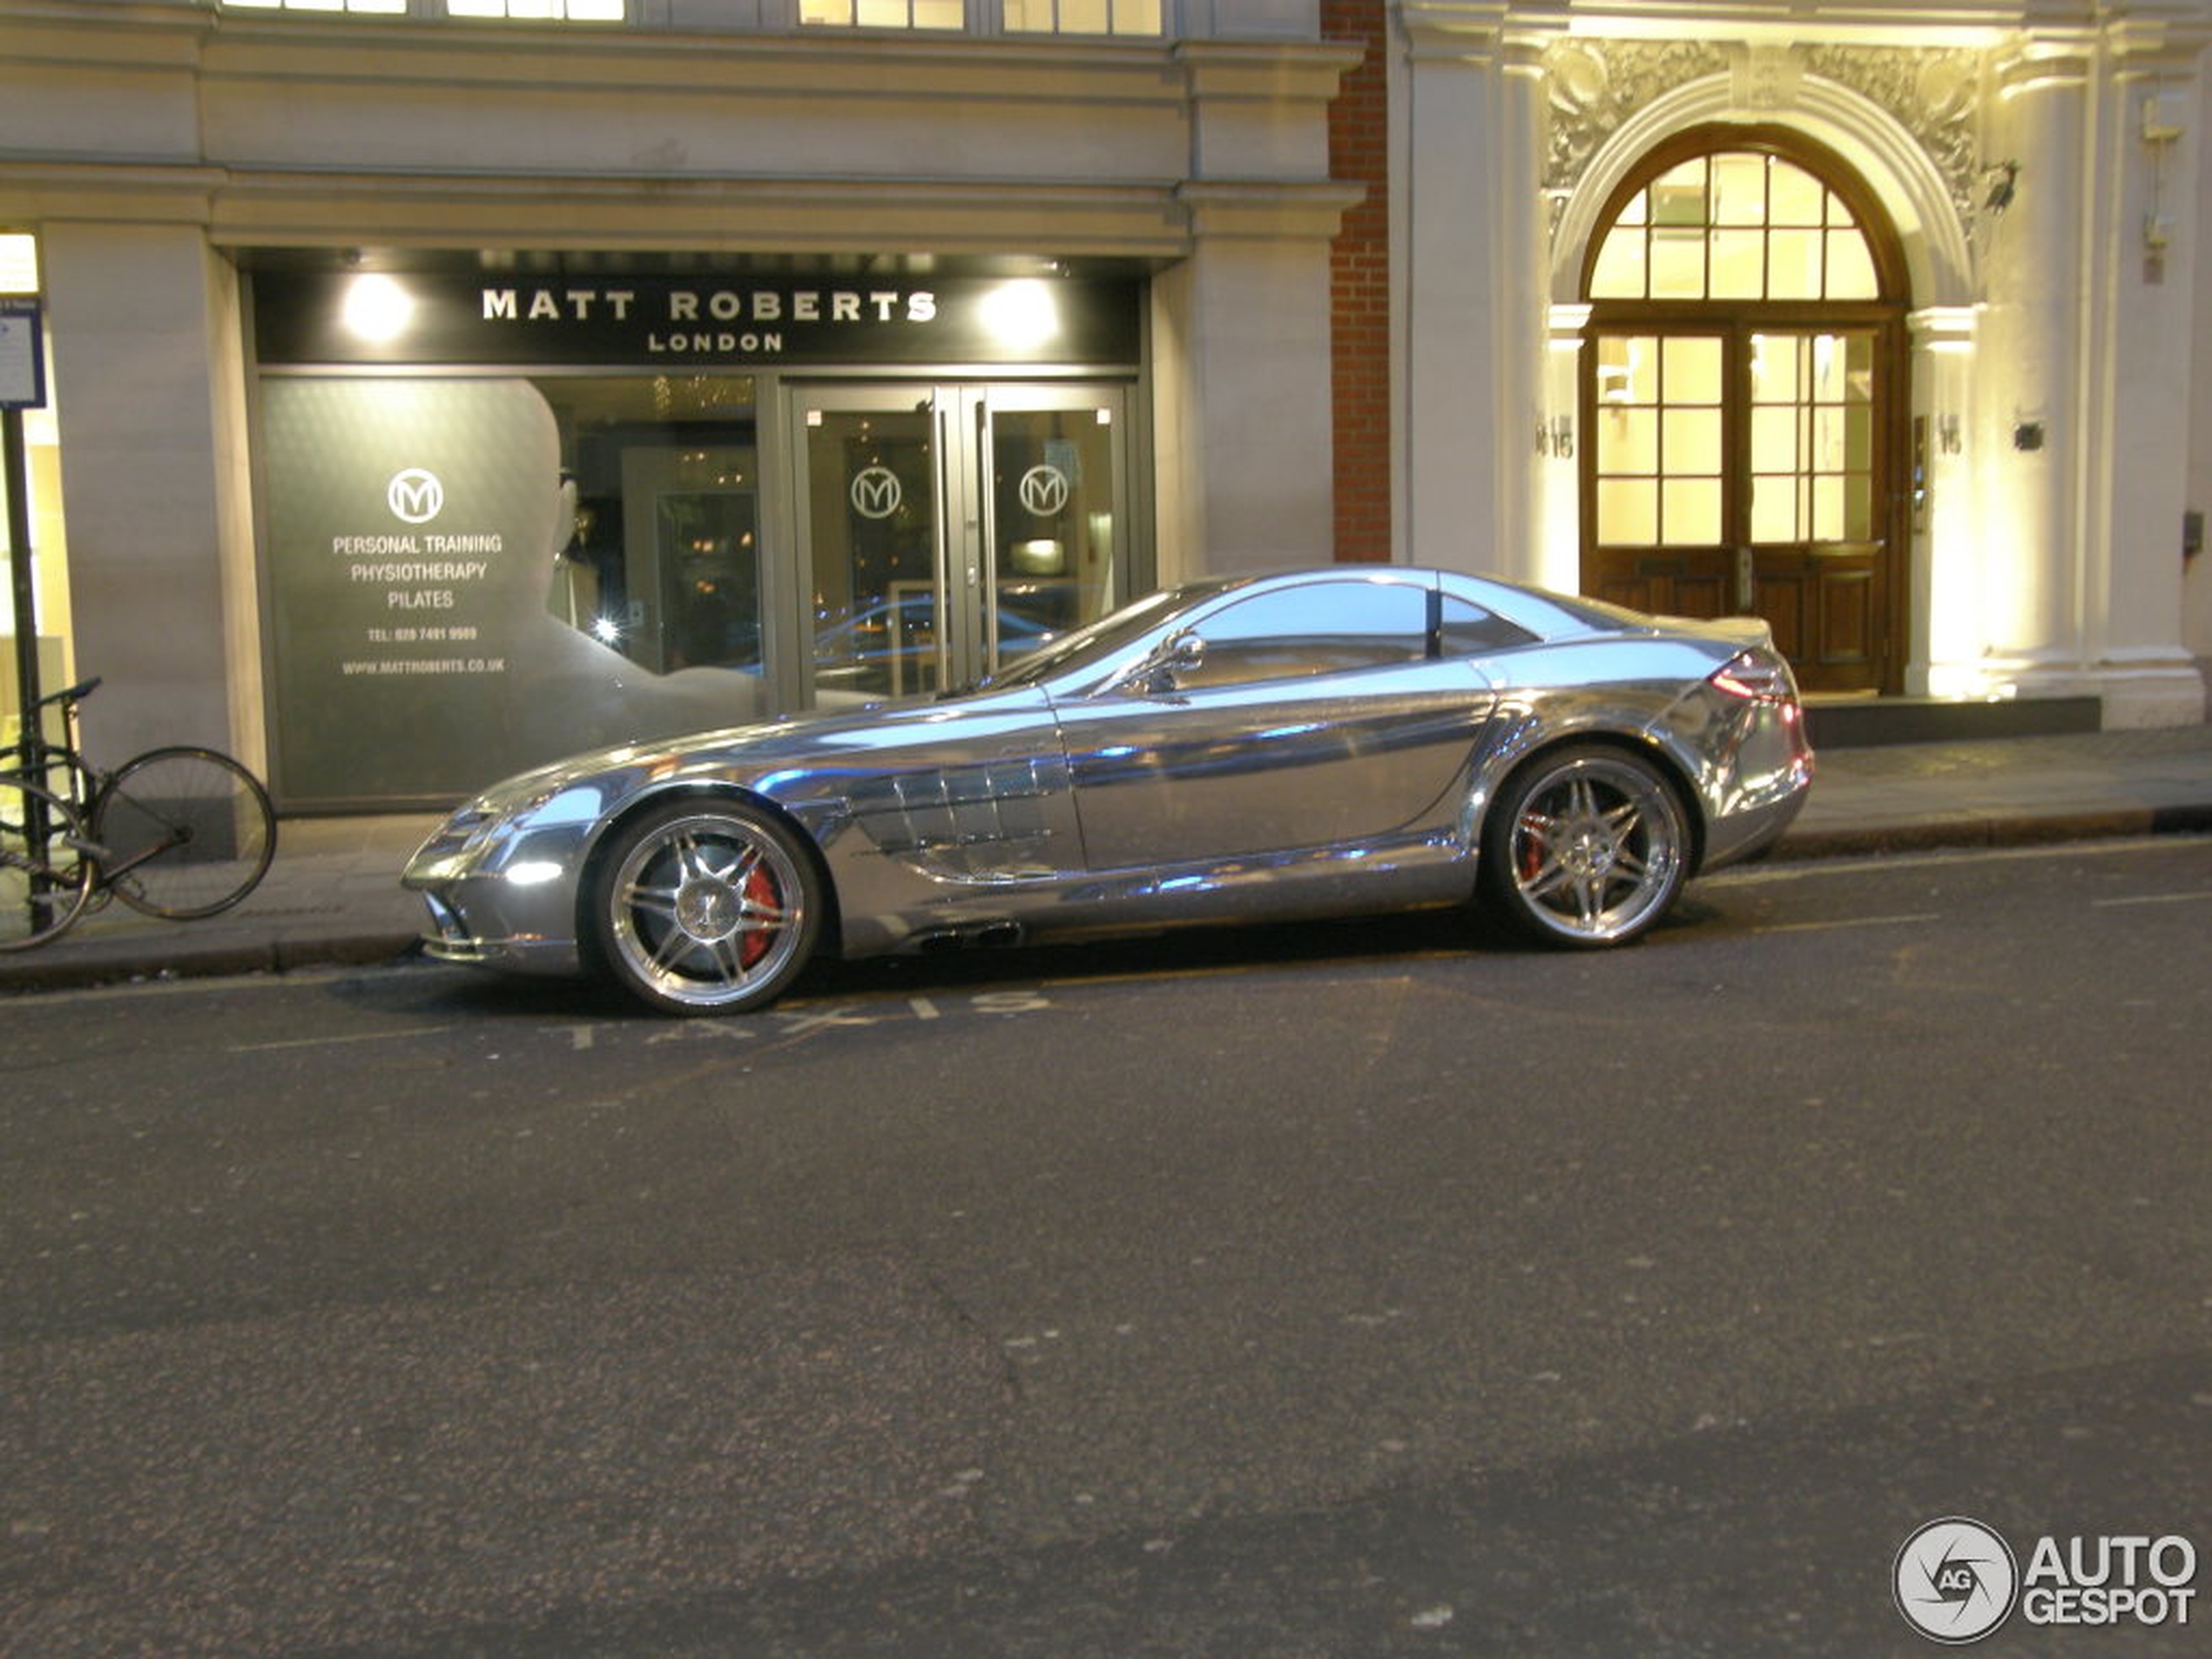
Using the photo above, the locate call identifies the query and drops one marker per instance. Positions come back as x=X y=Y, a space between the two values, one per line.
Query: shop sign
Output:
x=22 y=362
x=726 y=319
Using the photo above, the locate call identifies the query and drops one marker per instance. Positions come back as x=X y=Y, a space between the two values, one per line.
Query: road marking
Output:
x=1855 y=921
x=357 y=1036
x=2152 y=898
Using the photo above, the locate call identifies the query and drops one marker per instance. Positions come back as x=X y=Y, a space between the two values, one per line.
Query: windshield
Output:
x=1099 y=641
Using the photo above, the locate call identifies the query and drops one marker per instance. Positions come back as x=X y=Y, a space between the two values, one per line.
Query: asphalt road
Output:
x=1365 y=1290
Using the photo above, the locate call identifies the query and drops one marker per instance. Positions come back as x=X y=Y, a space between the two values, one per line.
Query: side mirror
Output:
x=1174 y=659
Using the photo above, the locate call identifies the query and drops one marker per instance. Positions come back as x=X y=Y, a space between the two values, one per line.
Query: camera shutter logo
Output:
x=1044 y=491
x=1955 y=1580
x=416 y=496
x=876 y=492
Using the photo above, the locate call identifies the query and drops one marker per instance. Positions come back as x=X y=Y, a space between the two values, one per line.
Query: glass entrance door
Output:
x=945 y=529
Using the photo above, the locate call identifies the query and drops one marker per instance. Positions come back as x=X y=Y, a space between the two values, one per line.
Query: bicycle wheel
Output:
x=183 y=833
x=45 y=876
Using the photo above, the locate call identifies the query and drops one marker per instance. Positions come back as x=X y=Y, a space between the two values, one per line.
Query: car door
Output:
x=1308 y=714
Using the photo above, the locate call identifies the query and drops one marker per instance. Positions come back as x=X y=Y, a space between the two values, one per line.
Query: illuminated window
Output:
x=386 y=8
x=1734 y=225
x=19 y=263
x=540 y=11
x=1082 y=17
x=884 y=14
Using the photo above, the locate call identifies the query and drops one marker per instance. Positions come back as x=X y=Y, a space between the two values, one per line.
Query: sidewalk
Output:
x=333 y=895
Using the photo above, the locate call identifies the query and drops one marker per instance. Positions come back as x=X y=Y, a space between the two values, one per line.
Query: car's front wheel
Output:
x=706 y=907
x=1585 y=847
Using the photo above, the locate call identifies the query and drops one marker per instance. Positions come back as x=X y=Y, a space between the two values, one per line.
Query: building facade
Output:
x=434 y=393
x=438 y=386
x=1888 y=324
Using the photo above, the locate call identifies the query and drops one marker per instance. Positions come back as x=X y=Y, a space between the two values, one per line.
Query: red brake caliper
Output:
x=759 y=889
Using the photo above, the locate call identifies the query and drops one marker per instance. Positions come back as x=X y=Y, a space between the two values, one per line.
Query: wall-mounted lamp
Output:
x=2002 y=179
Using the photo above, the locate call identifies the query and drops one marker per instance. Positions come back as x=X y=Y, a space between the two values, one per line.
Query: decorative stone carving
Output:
x=1593 y=85
x=1931 y=93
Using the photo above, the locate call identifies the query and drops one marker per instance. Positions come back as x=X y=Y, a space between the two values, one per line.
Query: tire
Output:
x=45 y=879
x=183 y=833
x=1586 y=846
x=706 y=907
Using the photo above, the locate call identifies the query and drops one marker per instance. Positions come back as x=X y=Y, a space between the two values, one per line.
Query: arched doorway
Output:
x=1744 y=400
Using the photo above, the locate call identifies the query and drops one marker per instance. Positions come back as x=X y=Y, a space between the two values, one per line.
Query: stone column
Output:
x=1472 y=288
x=149 y=382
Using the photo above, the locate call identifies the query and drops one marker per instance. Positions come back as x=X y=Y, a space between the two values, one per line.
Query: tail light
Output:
x=1756 y=676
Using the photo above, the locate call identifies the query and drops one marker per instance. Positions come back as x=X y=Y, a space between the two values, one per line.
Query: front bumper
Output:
x=457 y=934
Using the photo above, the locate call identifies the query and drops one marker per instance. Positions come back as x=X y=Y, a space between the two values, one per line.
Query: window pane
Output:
x=1638 y=210
x=828 y=11
x=1850 y=267
x=1739 y=265
x=1624 y=363
x=940 y=14
x=1795 y=196
x=1084 y=18
x=1830 y=451
x=1827 y=509
x=1739 y=190
x=1691 y=370
x=1677 y=266
x=1628 y=512
x=1692 y=512
x=1619 y=272
x=1693 y=440
x=1774 y=439
x=1137 y=17
x=1678 y=196
x=1774 y=368
x=1027 y=16
x=1627 y=440
x=1469 y=631
x=1859 y=507
x=1319 y=628
x=1793 y=264
x=1773 y=509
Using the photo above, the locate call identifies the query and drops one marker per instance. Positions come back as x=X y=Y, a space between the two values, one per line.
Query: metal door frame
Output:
x=960 y=409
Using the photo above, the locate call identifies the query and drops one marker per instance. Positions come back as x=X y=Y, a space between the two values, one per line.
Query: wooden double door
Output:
x=1754 y=466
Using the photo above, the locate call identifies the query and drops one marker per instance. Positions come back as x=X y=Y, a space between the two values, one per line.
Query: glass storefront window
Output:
x=470 y=576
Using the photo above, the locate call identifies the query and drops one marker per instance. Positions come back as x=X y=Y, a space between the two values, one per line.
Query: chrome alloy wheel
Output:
x=708 y=910
x=1596 y=847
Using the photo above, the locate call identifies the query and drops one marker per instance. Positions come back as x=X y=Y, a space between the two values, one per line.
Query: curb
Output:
x=100 y=963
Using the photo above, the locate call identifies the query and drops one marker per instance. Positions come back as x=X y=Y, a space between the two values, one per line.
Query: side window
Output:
x=1318 y=628
x=1467 y=629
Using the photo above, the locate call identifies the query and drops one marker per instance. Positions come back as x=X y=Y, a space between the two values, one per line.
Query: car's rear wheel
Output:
x=706 y=907
x=1585 y=847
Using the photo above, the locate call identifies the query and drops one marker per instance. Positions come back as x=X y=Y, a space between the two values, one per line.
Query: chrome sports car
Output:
x=1343 y=740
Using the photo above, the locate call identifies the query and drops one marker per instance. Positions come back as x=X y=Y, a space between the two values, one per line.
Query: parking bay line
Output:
x=2150 y=898
x=1852 y=922
x=355 y=1036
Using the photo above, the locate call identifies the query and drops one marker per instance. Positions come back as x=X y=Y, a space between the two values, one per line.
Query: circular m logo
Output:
x=1044 y=491
x=876 y=492
x=414 y=496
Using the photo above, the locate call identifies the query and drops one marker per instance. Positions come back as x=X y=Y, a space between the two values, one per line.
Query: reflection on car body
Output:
x=1336 y=741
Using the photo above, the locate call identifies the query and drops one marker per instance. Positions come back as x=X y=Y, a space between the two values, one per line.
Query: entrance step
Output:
x=1864 y=722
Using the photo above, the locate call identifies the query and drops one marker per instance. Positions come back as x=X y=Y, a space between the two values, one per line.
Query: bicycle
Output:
x=177 y=833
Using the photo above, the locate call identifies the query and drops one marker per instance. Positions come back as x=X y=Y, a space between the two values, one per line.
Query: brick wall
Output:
x=1360 y=286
